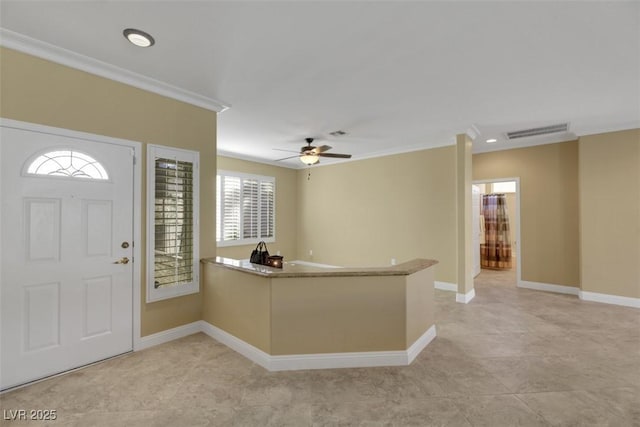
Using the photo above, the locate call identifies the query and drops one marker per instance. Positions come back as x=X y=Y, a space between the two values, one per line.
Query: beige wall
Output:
x=549 y=228
x=38 y=91
x=610 y=213
x=286 y=207
x=364 y=213
x=420 y=306
x=338 y=314
x=238 y=303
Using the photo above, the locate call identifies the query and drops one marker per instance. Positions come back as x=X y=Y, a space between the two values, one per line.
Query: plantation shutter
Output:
x=267 y=209
x=245 y=208
x=218 y=207
x=231 y=208
x=250 y=209
x=173 y=200
x=173 y=241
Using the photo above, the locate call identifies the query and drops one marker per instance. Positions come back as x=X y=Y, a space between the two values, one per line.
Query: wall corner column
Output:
x=464 y=248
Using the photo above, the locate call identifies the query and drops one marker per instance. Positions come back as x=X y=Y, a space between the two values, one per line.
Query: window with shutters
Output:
x=172 y=222
x=245 y=208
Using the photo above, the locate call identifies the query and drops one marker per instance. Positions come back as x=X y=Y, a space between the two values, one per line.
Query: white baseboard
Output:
x=445 y=286
x=466 y=298
x=421 y=343
x=560 y=289
x=609 y=299
x=168 y=335
x=583 y=295
x=297 y=362
x=247 y=350
x=323 y=360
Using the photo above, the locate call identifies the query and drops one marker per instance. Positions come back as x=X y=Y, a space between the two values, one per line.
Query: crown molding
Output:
x=473 y=132
x=239 y=156
x=31 y=46
x=480 y=147
x=371 y=155
x=615 y=127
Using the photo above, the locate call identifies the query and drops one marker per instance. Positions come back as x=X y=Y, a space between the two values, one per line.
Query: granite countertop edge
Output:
x=302 y=270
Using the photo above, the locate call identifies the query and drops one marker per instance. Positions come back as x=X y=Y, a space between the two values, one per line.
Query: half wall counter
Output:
x=311 y=317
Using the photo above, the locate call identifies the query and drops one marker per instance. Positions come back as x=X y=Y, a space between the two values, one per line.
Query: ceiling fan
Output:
x=310 y=155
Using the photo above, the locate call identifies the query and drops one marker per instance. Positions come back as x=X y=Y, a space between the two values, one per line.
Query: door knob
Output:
x=123 y=260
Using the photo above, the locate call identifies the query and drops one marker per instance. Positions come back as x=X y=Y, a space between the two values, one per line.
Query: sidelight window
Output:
x=172 y=232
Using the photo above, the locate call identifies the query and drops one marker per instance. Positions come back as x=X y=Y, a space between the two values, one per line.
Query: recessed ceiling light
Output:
x=139 y=38
x=492 y=140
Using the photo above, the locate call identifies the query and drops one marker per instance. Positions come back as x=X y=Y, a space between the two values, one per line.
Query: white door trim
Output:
x=137 y=200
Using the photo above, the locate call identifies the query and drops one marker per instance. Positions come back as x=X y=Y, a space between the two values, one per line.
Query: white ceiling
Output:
x=396 y=76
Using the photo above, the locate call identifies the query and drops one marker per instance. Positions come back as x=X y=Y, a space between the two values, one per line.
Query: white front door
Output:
x=67 y=229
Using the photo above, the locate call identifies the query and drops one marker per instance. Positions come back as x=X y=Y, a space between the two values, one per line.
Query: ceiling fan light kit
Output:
x=310 y=155
x=309 y=159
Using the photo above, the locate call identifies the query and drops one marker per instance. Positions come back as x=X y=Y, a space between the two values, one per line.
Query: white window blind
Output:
x=245 y=208
x=267 y=212
x=172 y=231
x=173 y=222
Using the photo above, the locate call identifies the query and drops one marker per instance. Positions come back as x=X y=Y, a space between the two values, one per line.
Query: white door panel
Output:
x=64 y=301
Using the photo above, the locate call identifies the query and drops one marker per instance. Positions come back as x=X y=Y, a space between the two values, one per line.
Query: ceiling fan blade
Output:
x=287 y=158
x=322 y=149
x=288 y=151
x=336 y=155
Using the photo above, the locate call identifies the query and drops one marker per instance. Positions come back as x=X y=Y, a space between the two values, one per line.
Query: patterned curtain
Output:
x=495 y=252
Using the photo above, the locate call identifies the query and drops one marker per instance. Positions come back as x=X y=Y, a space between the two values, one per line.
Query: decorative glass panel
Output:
x=68 y=163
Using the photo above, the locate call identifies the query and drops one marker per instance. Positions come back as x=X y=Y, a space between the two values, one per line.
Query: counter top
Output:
x=294 y=269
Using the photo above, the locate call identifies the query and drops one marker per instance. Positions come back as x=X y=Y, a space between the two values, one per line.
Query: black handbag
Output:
x=260 y=254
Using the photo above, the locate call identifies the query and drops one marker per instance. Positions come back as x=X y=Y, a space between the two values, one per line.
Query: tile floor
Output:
x=512 y=357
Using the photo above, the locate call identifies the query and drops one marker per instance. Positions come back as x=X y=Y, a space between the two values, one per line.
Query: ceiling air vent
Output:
x=545 y=130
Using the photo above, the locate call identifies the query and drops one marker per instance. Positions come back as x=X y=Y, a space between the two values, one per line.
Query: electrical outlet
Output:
x=310 y=252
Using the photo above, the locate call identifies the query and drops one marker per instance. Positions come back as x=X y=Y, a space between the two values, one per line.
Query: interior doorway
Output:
x=496 y=231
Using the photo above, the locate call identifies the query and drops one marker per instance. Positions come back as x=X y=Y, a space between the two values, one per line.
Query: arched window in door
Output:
x=67 y=163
